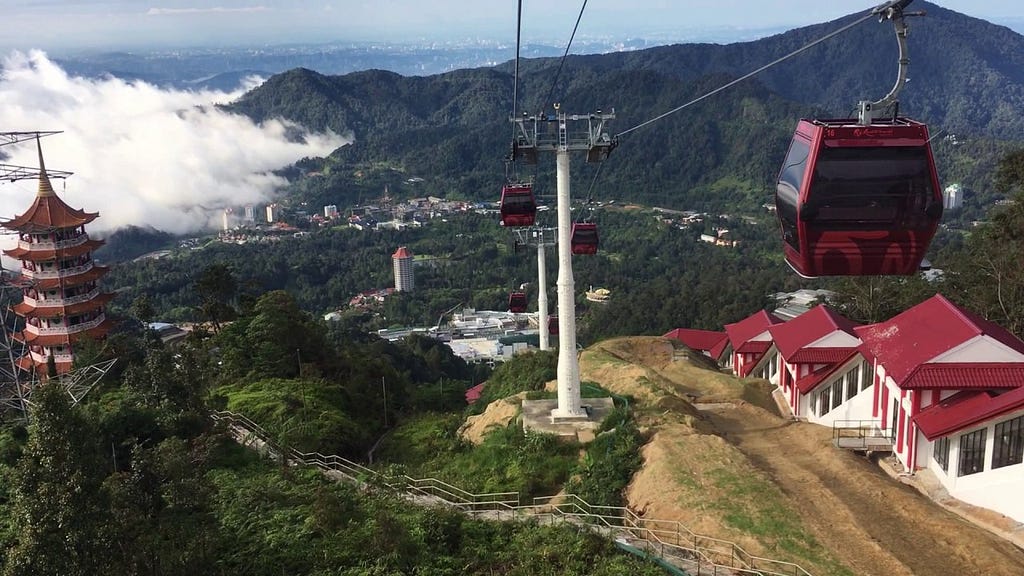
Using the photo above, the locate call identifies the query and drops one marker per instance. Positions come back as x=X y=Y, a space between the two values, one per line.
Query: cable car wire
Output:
x=511 y=159
x=515 y=77
x=561 y=62
x=804 y=48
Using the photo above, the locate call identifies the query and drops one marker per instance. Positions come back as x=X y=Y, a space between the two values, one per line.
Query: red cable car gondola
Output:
x=553 y=325
x=856 y=200
x=860 y=197
x=517 y=302
x=518 y=206
x=584 y=238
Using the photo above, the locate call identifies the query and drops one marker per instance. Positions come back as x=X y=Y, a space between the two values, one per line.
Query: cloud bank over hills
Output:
x=141 y=154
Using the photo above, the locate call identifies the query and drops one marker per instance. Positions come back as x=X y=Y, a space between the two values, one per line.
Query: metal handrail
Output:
x=663 y=537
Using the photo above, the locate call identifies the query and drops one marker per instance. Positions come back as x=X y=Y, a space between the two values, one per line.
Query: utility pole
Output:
x=384 y=390
x=562 y=133
x=541 y=238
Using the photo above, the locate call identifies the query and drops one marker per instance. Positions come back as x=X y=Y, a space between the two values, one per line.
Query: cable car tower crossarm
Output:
x=562 y=133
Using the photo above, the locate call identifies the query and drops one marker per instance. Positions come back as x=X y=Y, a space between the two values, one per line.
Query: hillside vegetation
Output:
x=452 y=129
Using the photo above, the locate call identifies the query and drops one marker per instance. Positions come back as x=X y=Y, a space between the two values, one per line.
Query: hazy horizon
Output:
x=68 y=25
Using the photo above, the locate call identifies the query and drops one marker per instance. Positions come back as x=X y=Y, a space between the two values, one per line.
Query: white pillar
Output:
x=569 y=405
x=542 y=295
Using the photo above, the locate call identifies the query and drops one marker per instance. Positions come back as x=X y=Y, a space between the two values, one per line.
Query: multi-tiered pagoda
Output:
x=62 y=303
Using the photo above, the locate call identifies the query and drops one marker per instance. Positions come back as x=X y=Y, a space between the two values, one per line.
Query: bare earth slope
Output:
x=737 y=470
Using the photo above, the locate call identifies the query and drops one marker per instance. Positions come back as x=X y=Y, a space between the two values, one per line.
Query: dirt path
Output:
x=869 y=522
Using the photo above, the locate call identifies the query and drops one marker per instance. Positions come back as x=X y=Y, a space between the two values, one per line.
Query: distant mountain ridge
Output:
x=967 y=78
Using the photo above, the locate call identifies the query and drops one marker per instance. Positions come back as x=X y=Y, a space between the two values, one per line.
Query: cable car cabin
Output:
x=584 y=238
x=518 y=206
x=858 y=200
x=553 y=325
x=517 y=302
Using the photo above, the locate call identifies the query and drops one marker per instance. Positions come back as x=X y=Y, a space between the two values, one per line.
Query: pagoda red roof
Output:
x=985 y=375
x=25 y=309
x=402 y=252
x=919 y=334
x=48 y=211
x=59 y=339
x=708 y=341
x=807 y=328
x=965 y=409
x=94 y=273
x=37 y=255
x=749 y=327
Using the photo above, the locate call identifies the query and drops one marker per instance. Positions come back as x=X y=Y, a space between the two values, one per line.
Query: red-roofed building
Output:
x=748 y=340
x=402 y=263
x=815 y=354
x=940 y=385
x=949 y=391
x=473 y=393
x=62 y=303
x=708 y=342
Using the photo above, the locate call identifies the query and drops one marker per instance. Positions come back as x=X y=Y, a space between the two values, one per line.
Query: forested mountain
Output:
x=452 y=129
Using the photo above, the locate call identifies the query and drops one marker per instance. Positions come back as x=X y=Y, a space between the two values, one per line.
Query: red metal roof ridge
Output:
x=964 y=409
x=737 y=331
x=981 y=380
x=825 y=372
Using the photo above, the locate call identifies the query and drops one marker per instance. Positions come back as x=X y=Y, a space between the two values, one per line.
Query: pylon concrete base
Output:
x=537 y=416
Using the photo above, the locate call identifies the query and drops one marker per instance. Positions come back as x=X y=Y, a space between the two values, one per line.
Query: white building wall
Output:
x=952 y=197
x=856 y=408
x=981 y=348
x=404 y=280
x=997 y=489
x=835 y=339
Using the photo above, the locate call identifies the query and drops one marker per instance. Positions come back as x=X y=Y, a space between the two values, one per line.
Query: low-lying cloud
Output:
x=142 y=155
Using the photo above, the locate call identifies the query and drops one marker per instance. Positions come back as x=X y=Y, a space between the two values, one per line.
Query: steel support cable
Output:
x=561 y=62
x=515 y=94
x=750 y=74
x=590 y=194
x=515 y=81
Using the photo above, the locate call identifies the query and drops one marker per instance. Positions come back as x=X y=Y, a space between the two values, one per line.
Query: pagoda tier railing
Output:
x=55 y=302
x=54 y=245
x=61 y=273
x=73 y=329
x=43 y=358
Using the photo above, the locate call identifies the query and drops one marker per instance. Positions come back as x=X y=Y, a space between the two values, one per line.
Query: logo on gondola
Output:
x=873 y=132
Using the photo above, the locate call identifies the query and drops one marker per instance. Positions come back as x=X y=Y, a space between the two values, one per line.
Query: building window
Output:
x=837 y=393
x=1009 y=448
x=865 y=375
x=851 y=382
x=972 y=453
x=823 y=401
x=940 y=452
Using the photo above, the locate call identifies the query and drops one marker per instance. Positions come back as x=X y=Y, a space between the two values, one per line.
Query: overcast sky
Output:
x=64 y=24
